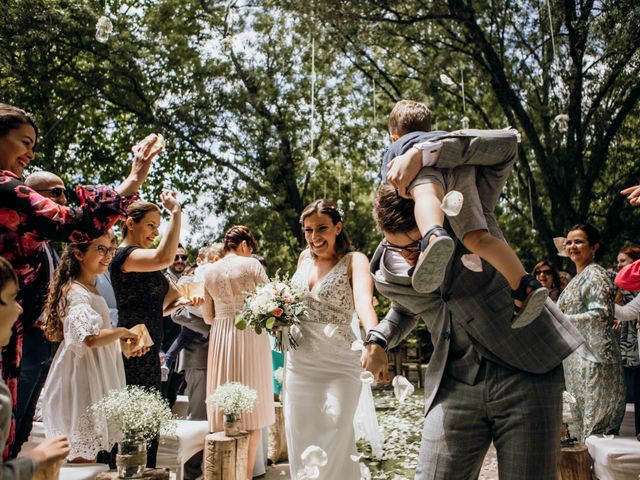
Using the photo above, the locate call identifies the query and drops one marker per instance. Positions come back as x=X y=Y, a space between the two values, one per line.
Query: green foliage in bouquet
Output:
x=139 y=413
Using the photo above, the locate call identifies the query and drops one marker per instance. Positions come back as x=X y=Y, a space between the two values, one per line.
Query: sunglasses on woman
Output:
x=541 y=272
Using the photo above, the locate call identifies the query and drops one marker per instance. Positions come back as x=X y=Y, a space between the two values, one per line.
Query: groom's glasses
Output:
x=412 y=248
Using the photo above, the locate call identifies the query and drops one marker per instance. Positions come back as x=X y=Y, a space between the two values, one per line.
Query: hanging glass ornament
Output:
x=352 y=205
x=104 y=29
x=561 y=122
x=312 y=164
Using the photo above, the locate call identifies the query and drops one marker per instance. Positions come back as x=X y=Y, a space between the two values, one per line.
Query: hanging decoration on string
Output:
x=312 y=162
x=448 y=81
x=104 y=27
x=465 y=119
x=553 y=40
x=352 y=204
x=533 y=228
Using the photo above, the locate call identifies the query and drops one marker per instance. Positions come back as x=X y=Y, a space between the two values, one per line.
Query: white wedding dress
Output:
x=322 y=380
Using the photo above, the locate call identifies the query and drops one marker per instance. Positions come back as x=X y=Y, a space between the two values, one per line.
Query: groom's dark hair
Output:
x=393 y=213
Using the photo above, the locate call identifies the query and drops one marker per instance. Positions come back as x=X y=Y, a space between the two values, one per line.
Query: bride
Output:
x=322 y=378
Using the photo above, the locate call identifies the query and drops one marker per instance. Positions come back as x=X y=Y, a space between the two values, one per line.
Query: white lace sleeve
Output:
x=80 y=321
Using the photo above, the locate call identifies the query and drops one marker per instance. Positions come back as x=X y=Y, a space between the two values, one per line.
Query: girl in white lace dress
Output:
x=322 y=379
x=88 y=363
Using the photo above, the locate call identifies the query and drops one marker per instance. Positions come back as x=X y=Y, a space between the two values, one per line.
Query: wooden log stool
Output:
x=575 y=463
x=149 y=474
x=277 y=451
x=225 y=458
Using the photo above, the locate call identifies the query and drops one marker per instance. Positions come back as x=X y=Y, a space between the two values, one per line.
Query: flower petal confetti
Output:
x=452 y=203
x=402 y=388
x=357 y=346
x=472 y=261
x=330 y=329
x=314 y=456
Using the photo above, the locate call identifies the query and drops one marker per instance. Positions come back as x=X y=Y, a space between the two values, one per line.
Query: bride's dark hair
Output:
x=327 y=207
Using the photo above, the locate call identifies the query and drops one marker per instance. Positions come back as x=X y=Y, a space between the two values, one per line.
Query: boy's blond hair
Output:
x=408 y=116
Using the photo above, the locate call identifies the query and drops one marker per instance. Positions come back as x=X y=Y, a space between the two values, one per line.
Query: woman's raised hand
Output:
x=633 y=194
x=143 y=154
x=169 y=201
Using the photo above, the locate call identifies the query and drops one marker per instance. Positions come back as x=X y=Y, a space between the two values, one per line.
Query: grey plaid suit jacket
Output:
x=480 y=303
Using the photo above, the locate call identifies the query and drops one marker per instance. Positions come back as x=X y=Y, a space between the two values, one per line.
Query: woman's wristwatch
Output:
x=377 y=338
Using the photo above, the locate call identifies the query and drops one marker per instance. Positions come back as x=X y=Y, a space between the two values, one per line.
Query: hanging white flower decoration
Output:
x=465 y=122
x=104 y=29
x=312 y=164
x=352 y=205
x=340 y=205
x=561 y=122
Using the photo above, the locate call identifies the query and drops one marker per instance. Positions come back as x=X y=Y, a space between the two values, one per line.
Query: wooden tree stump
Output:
x=277 y=451
x=225 y=458
x=149 y=474
x=575 y=463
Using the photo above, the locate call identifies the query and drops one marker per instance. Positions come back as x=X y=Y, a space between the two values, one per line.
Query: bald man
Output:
x=37 y=351
x=48 y=185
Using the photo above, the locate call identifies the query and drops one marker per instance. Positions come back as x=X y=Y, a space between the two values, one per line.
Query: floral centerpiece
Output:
x=140 y=415
x=232 y=399
x=274 y=307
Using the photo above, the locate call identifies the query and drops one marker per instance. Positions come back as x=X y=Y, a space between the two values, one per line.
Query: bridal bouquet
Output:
x=274 y=307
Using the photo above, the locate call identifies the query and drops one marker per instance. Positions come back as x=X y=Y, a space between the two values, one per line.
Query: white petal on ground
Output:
x=472 y=262
x=452 y=203
x=402 y=388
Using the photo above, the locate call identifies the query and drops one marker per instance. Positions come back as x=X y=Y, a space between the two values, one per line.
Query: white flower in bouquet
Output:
x=138 y=413
x=272 y=307
x=233 y=398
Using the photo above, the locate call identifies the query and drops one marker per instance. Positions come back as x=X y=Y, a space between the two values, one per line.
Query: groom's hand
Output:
x=374 y=360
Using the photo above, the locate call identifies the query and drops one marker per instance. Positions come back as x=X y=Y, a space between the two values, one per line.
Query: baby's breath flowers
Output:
x=232 y=399
x=139 y=413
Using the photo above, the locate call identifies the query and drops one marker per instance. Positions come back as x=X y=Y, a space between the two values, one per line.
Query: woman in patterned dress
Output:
x=28 y=220
x=593 y=373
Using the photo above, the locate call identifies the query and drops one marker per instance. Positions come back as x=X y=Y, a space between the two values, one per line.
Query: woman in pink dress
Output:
x=237 y=355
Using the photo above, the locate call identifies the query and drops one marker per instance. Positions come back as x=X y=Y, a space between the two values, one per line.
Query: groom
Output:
x=485 y=382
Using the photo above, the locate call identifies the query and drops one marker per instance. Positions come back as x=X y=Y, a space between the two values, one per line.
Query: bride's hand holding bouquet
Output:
x=275 y=307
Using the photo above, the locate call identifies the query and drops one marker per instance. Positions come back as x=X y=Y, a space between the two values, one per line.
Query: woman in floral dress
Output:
x=28 y=220
x=593 y=373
